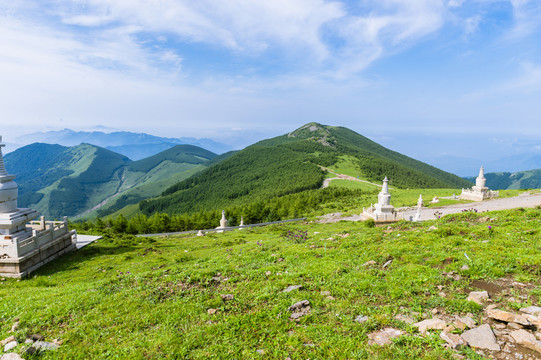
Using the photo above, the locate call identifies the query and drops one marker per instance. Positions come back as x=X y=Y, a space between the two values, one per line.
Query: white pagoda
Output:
x=383 y=211
x=479 y=192
x=25 y=247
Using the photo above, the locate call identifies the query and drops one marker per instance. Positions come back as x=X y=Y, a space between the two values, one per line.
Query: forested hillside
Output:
x=58 y=180
x=290 y=164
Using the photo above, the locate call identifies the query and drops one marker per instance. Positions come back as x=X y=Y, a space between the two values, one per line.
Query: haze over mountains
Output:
x=135 y=146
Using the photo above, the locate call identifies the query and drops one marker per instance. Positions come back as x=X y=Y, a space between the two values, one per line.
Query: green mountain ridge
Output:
x=88 y=179
x=293 y=163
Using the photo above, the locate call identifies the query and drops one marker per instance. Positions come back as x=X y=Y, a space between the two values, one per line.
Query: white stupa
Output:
x=223 y=222
x=479 y=192
x=25 y=247
x=383 y=211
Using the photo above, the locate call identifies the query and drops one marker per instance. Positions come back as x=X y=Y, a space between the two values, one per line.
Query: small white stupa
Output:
x=241 y=225
x=479 y=192
x=26 y=247
x=383 y=211
x=223 y=222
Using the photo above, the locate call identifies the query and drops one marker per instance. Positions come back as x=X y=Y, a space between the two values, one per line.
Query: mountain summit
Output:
x=292 y=163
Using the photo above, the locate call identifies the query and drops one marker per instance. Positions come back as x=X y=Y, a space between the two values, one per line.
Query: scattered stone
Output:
x=430 y=324
x=29 y=341
x=383 y=337
x=454 y=340
x=299 y=309
x=361 y=319
x=387 y=263
x=280 y=260
x=325 y=293
x=10 y=345
x=227 y=297
x=526 y=339
x=442 y=294
x=532 y=310
x=291 y=288
x=212 y=311
x=370 y=263
x=535 y=320
x=37 y=337
x=260 y=351
x=482 y=338
x=200 y=233
x=478 y=297
x=465 y=268
x=468 y=321
x=11 y=356
x=45 y=346
x=405 y=318
x=330 y=297
x=15 y=326
x=435 y=311
x=433 y=228
x=268 y=273
x=507 y=317
x=7 y=340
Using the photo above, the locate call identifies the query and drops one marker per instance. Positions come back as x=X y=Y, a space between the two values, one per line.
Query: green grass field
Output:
x=148 y=298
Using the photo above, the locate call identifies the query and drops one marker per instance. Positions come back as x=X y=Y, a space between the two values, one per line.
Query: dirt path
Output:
x=327 y=182
x=525 y=200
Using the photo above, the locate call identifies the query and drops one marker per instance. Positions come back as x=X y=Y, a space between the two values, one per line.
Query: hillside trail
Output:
x=525 y=200
x=327 y=182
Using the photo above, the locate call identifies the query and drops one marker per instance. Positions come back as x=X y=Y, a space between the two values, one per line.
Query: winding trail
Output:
x=327 y=182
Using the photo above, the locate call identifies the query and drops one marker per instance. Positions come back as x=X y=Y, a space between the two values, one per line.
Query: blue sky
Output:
x=241 y=70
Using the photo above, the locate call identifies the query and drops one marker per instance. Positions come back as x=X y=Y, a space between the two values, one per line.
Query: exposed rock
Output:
x=535 y=320
x=330 y=298
x=299 y=309
x=260 y=351
x=7 y=340
x=15 y=326
x=11 y=356
x=526 y=339
x=45 y=346
x=10 y=345
x=212 y=311
x=465 y=268
x=430 y=324
x=227 y=297
x=532 y=310
x=361 y=319
x=291 y=288
x=478 y=297
x=468 y=321
x=383 y=337
x=387 y=263
x=325 y=293
x=507 y=317
x=482 y=338
x=435 y=311
x=268 y=273
x=454 y=340
x=370 y=263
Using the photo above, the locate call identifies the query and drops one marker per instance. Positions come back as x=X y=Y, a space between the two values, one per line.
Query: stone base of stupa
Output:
x=24 y=251
x=478 y=194
x=381 y=217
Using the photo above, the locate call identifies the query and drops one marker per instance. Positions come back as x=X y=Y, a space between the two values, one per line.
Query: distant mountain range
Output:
x=530 y=179
x=293 y=163
x=135 y=146
x=84 y=179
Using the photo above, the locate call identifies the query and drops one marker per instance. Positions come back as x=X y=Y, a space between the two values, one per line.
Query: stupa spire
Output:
x=3 y=171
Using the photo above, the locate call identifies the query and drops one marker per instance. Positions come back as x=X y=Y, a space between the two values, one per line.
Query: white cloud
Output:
x=527 y=15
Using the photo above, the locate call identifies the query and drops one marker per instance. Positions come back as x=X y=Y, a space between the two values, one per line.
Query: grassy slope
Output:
x=140 y=298
x=289 y=164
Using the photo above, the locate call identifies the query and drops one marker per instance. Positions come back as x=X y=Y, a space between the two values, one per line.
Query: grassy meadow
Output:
x=125 y=297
